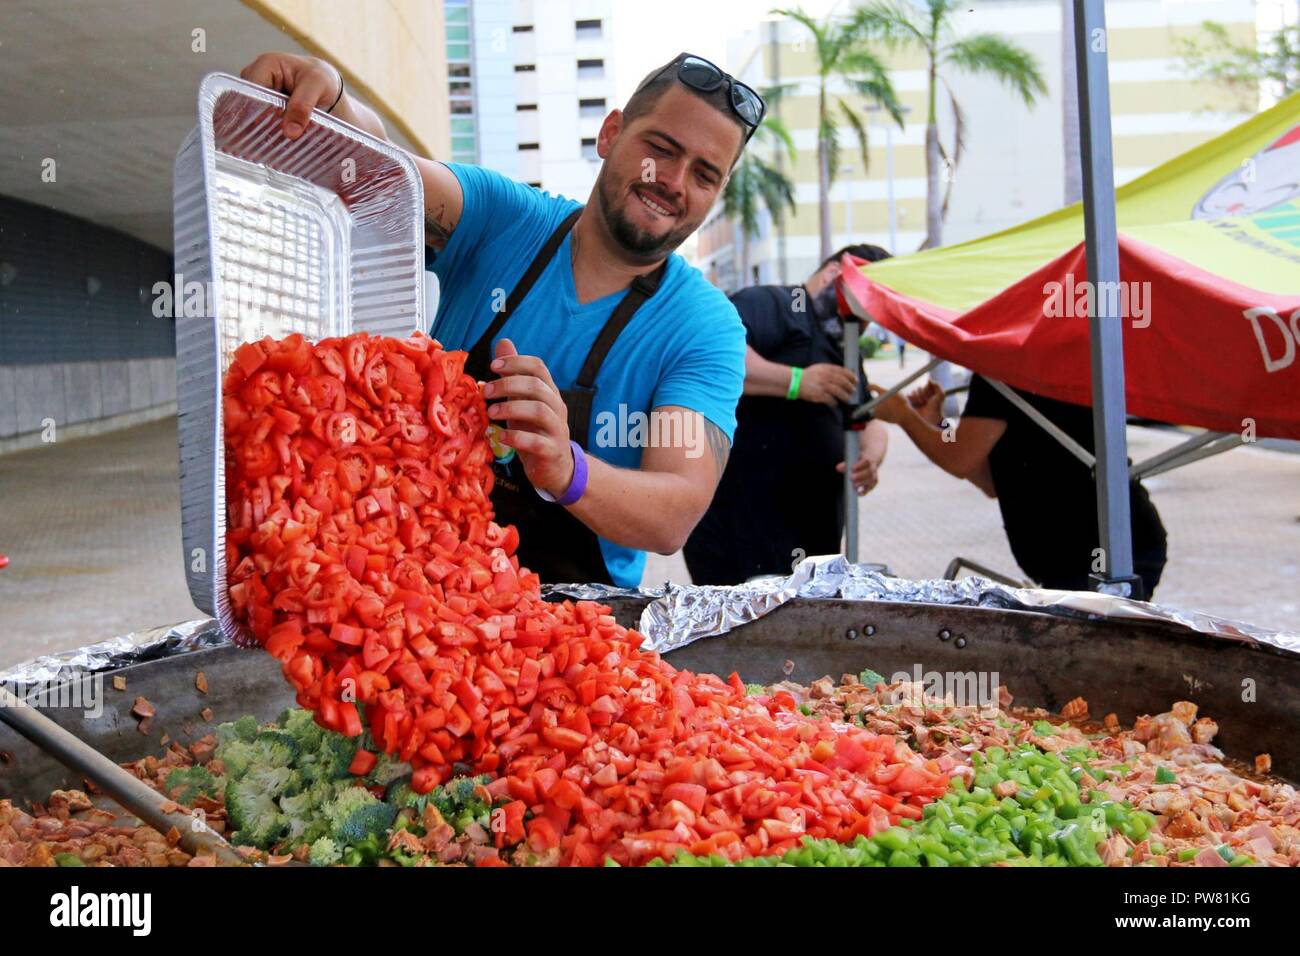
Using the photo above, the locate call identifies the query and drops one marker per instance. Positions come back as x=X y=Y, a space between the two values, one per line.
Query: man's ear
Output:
x=609 y=131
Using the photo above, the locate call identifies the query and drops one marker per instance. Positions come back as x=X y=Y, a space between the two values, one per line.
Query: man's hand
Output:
x=828 y=384
x=310 y=83
x=534 y=416
x=927 y=401
x=866 y=472
x=893 y=409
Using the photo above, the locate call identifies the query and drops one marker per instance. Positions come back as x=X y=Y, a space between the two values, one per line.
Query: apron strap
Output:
x=642 y=288
x=480 y=355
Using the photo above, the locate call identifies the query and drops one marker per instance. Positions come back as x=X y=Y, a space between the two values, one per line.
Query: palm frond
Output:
x=776 y=190
x=829 y=130
x=817 y=29
x=774 y=133
x=859 y=130
x=888 y=22
x=998 y=57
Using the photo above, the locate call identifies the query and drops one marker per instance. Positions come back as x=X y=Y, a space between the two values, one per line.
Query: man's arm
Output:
x=653 y=508
x=824 y=382
x=964 y=455
x=656 y=507
x=312 y=83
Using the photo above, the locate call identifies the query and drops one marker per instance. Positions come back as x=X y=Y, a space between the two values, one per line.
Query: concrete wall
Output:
x=112 y=392
x=391 y=53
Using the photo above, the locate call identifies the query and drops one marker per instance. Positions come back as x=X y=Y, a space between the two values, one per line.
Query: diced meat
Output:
x=1203 y=730
x=1209 y=857
x=1076 y=709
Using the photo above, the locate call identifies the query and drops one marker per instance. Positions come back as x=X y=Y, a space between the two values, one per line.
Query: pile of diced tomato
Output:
x=362 y=553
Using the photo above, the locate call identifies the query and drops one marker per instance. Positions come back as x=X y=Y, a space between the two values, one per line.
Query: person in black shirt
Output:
x=1047 y=496
x=782 y=494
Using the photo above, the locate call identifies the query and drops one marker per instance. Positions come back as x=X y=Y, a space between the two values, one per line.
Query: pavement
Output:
x=92 y=530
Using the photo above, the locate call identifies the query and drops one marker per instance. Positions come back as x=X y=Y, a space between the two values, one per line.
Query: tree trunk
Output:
x=933 y=188
x=823 y=178
x=1070 y=107
x=744 y=258
x=933 y=162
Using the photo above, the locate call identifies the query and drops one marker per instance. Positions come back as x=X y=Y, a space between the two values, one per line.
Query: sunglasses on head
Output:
x=699 y=74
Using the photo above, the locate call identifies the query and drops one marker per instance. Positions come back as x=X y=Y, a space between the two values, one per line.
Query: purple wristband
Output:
x=578 y=484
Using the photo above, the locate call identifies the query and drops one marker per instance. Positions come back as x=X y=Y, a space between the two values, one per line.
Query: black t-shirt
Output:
x=1048 y=497
x=780 y=491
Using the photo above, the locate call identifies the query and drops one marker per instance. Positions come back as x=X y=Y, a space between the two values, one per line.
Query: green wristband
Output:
x=796 y=377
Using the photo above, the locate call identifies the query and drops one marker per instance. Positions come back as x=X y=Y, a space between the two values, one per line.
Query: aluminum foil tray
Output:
x=323 y=235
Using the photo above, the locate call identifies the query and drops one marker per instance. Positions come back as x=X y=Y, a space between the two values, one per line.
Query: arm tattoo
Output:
x=719 y=445
x=436 y=230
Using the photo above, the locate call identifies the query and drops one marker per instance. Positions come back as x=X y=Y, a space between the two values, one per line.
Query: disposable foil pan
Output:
x=322 y=235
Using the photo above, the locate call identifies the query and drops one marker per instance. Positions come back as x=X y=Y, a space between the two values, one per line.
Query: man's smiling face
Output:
x=663 y=171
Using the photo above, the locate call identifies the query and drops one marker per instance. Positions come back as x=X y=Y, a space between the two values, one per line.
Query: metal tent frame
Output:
x=1105 y=334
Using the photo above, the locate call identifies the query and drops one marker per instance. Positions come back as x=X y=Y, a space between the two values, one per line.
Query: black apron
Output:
x=552 y=542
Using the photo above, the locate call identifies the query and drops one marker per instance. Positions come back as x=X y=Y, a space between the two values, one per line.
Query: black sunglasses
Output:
x=699 y=74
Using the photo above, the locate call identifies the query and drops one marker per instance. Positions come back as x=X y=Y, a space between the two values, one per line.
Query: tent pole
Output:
x=1105 y=330
x=864 y=410
x=1141 y=468
x=1225 y=442
x=852 y=437
x=1046 y=424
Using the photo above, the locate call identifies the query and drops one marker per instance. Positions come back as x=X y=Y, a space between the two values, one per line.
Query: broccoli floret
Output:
x=356 y=814
x=301 y=725
x=265 y=749
x=366 y=823
x=254 y=813
x=325 y=852
x=193 y=782
x=387 y=770
x=400 y=794
x=245 y=729
x=305 y=811
x=332 y=760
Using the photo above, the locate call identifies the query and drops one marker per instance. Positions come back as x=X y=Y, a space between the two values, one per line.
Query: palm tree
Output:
x=1271 y=66
x=756 y=182
x=842 y=53
x=927 y=25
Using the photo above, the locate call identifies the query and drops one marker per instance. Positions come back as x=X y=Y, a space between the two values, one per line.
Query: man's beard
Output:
x=640 y=242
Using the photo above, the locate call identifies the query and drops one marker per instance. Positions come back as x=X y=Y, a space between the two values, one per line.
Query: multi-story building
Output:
x=1013 y=165
x=530 y=82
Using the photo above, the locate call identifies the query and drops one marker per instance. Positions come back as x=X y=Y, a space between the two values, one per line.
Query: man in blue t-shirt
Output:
x=618 y=367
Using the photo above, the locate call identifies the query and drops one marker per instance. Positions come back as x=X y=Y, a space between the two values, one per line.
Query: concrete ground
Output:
x=92 y=530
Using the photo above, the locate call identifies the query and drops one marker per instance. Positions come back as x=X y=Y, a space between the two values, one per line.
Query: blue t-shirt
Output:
x=684 y=346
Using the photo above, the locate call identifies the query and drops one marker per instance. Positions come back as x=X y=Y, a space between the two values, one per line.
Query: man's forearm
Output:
x=875 y=441
x=349 y=110
x=649 y=510
x=930 y=440
x=765 y=377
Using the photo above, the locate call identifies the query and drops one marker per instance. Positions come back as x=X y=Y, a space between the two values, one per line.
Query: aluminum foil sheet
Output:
x=109 y=655
x=679 y=614
x=323 y=235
